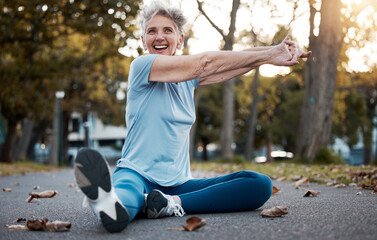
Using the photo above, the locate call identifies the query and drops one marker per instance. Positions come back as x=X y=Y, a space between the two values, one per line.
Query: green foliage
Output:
x=49 y=46
x=326 y=156
x=237 y=159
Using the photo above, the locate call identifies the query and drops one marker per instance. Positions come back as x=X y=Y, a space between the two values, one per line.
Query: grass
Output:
x=23 y=167
x=282 y=170
x=321 y=173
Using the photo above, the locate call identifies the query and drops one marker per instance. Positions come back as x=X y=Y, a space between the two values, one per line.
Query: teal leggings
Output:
x=240 y=191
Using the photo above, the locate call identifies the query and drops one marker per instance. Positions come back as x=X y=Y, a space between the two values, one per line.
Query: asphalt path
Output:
x=337 y=213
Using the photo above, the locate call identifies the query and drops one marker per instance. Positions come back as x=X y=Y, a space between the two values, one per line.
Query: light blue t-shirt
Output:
x=159 y=117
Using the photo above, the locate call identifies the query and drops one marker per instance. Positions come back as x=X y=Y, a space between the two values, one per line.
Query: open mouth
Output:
x=162 y=47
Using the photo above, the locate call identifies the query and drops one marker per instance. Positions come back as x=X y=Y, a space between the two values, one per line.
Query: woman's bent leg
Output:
x=130 y=188
x=241 y=191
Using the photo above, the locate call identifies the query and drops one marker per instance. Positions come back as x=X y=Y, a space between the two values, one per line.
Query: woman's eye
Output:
x=151 y=31
x=168 y=30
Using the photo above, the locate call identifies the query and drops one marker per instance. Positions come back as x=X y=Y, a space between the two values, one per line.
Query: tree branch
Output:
x=219 y=30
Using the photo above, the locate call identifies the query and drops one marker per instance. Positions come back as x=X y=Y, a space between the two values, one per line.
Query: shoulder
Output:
x=143 y=61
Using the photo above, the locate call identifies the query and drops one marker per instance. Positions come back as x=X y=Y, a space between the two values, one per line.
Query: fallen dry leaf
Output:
x=280 y=179
x=311 y=193
x=276 y=211
x=36 y=187
x=192 y=224
x=45 y=224
x=56 y=226
x=7 y=189
x=340 y=185
x=301 y=181
x=44 y=194
x=71 y=185
x=20 y=220
x=275 y=190
x=15 y=227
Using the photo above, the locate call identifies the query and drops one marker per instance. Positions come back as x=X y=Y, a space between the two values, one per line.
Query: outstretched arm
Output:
x=220 y=66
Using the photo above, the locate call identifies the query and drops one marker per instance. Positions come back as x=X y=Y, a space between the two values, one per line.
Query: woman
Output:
x=153 y=176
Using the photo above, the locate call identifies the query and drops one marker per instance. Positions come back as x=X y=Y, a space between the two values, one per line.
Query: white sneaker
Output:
x=161 y=205
x=93 y=177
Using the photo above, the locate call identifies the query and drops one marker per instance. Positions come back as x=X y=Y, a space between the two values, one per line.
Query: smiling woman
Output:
x=153 y=176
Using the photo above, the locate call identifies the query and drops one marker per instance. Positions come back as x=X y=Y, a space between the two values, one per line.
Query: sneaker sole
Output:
x=92 y=174
x=156 y=203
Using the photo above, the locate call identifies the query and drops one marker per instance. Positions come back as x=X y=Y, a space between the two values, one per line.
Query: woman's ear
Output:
x=180 y=41
x=144 y=44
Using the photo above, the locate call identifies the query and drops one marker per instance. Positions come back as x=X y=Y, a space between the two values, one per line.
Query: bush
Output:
x=327 y=156
x=237 y=159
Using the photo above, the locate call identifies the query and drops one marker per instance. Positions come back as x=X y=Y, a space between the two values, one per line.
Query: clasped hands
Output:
x=287 y=52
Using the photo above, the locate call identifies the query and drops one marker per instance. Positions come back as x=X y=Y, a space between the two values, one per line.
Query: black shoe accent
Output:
x=155 y=202
x=117 y=225
x=91 y=164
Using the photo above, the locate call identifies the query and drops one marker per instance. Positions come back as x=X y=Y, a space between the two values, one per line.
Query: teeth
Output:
x=160 y=47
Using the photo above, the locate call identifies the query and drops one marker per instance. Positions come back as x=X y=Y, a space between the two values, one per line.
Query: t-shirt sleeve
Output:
x=139 y=71
x=195 y=82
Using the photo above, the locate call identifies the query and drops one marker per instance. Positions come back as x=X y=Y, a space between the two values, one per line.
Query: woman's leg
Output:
x=241 y=191
x=130 y=188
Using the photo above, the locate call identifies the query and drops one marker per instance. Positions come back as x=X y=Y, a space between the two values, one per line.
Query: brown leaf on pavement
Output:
x=301 y=181
x=275 y=190
x=45 y=224
x=56 y=226
x=20 y=220
x=276 y=211
x=36 y=187
x=311 y=193
x=44 y=194
x=280 y=179
x=7 y=189
x=15 y=227
x=194 y=223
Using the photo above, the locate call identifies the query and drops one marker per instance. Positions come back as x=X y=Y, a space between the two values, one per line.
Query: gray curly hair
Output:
x=158 y=8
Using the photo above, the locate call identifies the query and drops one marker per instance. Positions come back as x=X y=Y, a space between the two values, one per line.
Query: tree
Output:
x=226 y=137
x=33 y=35
x=320 y=77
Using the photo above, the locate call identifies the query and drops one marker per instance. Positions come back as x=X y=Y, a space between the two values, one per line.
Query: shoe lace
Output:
x=174 y=208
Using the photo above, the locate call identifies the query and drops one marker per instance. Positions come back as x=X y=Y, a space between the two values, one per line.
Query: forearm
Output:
x=213 y=63
x=257 y=49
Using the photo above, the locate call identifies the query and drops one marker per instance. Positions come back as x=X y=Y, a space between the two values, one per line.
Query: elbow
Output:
x=202 y=69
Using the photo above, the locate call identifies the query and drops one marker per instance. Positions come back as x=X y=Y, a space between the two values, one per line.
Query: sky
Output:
x=207 y=38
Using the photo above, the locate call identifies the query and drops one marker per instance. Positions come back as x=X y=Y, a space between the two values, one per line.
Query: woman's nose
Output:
x=160 y=36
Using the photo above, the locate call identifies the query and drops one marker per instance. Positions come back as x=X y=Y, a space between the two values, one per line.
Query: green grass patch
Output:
x=320 y=173
x=8 y=169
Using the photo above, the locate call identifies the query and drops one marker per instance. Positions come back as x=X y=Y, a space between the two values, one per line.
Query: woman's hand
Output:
x=287 y=53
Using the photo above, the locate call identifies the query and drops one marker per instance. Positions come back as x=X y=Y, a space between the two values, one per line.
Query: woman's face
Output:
x=161 y=36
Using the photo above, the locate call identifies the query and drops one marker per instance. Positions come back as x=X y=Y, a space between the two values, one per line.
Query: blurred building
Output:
x=105 y=138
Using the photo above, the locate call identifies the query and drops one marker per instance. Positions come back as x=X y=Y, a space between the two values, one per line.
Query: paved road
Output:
x=334 y=214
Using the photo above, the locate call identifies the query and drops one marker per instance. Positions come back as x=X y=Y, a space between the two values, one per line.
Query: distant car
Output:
x=279 y=154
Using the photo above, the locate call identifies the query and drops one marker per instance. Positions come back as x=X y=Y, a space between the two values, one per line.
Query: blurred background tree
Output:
x=68 y=45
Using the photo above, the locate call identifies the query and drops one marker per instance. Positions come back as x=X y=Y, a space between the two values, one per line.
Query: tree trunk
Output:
x=20 y=151
x=226 y=136
x=252 y=119
x=198 y=94
x=269 y=150
x=66 y=118
x=6 y=153
x=320 y=78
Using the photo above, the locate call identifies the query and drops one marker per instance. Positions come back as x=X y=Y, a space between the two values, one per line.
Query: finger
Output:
x=287 y=38
x=306 y=54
